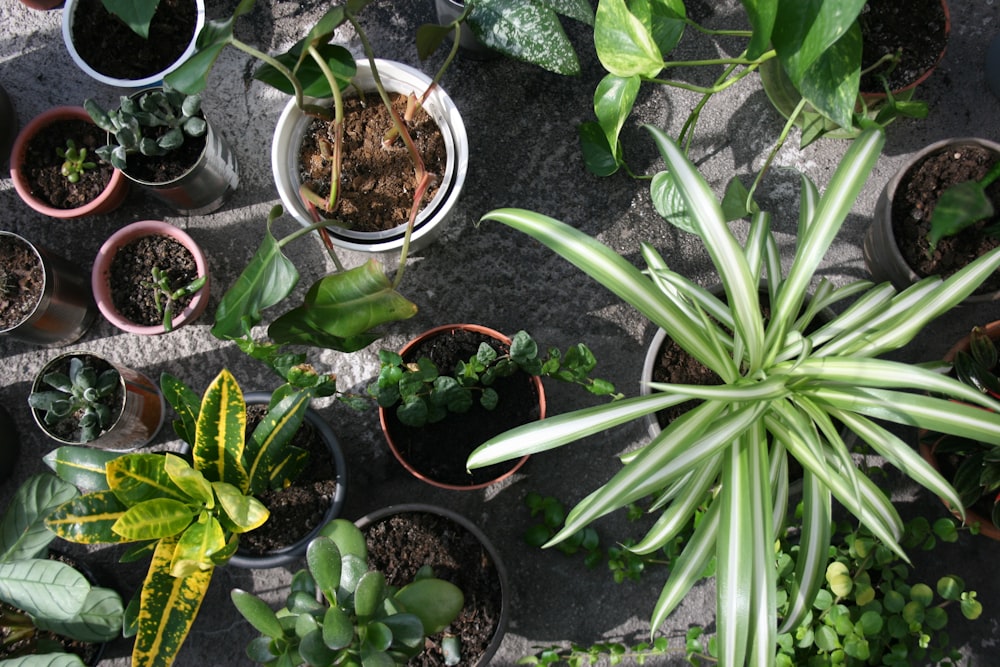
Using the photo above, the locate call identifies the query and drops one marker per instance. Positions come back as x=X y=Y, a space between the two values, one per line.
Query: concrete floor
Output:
x=522 y=130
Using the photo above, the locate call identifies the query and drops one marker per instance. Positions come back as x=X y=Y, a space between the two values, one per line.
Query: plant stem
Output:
x=338 y=128
x=774 y=151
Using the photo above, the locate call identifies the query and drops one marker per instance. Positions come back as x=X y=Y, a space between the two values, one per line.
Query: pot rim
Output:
x=284 y=163
x=505 y=591
x=109 y=199
x=99 y=280
x=383 y=420
x=69 y=10
x=292 y=552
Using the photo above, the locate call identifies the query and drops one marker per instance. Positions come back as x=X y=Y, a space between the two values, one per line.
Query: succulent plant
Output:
x=83 y=393
x=358 y=619
x=154 y=123
x=74 y=161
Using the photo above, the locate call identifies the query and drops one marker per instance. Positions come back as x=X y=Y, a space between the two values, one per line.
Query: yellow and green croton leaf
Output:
x=220 y=433
x=88 y=519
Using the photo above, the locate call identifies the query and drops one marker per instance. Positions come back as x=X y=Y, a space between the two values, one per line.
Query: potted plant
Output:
x=44 y=298
x=900 y=245
x=191 y=511
x=83 y=398
x=341 y=612
x=161 y=140
x=54 y=167
x=49 y=608
x=818 y=48
x=785 y=394
x=316 y=74
x=403 y=539
x=455 y=386
x=131 y=44
x=298 y=511
x=150 y=277
x=969 y=464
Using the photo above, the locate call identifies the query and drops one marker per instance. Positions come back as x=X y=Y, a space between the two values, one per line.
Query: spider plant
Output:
x=787 y=392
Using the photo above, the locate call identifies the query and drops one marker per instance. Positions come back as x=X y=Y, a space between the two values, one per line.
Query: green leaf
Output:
x=192 y=76
x=347 y=536
x=338 y=628
x=625 y=46
x=308 y=72
x=245 y=512
x=831 y=82
x=528 y=31
x=266 y=453
x=434 y=601
x=137 y=14
x=960 y=206
x=185 y=403
x=257 y=613
x=46 y=660
x=153 y=519
x=83 y=467
x=369 y=595
x=614 y=98
x=23 y=533
x=43 y=587
x=761 y=14
x=598 y=156
x=99 y=618
x=266 y=280
x=199 y=546
x=168 y=608
x=135 y=478
x=669 y=203
x=191 y=482
x=88 y=519
x=805 y=29
x=220 y=432
x=341 y=309
x=407 y=633
x=323 y=558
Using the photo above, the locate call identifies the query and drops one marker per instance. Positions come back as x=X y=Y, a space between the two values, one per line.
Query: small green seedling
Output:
x=74 y=161
x=962 y=205
x=165 y=296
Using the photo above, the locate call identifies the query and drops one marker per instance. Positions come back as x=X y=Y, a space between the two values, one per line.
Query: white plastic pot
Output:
x=69 y=10
x=397 y=78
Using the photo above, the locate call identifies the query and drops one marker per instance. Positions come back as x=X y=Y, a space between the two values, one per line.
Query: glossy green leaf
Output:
x=266 y=280
x=831 y=82
x=137 y=14
x=245 y=512
x=341 y=309
x=83 y=467
x=190 y=481
x=46 y=660
x=23 y=533
x=192 y=76
x=185 y=403
x=265 y=449
x=136 y=478
x=88 y=519
x=153 y=519
x=338 y=629
x=805 y=29
x=961 y=205
x=369 y=595
x=347 y=536
x=220 y=432
x=323 y=558
x=309 y=74
x=625 y=46
x=168 y=608
x=257 y=613
x=761 y=14
x=407 y=632
x=434 y=601
x=196 y=546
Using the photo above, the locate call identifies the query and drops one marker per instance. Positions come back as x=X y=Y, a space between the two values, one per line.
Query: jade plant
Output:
x=42 y=597
x=81 y=395
x=165 y=296
x=788 y=391
x=74 y=161
x=423 y=394
x=187 y=514
x=154 y=124
x=340 y=612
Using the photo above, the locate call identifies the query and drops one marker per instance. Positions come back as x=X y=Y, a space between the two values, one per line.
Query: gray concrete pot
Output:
x=882 y=256
x=66 y=307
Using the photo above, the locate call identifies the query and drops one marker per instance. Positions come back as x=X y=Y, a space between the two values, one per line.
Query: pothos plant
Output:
x=342 y=308
x=818 y=44
x=187 y=514
x=787 y=391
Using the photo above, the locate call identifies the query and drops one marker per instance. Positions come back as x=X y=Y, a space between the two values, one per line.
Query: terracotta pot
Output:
x=882 y=256
x=397 y=78
x=140 y=412
x=112 y=197
x=927 y=447
x=65 y=309
x=396 y=448
x=42 y=5
x=100 y=275
x=491 y=554
x=155 y=79
x=286 y=556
